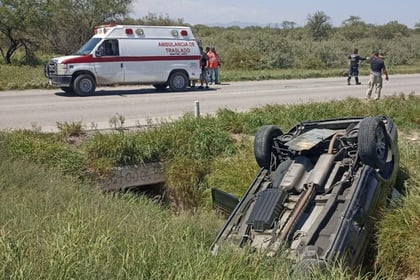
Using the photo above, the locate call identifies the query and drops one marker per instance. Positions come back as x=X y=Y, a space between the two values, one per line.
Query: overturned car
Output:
x=318 y=191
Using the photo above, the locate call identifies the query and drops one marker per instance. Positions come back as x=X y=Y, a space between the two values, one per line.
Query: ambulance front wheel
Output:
x=84 y=85
x=178 y=81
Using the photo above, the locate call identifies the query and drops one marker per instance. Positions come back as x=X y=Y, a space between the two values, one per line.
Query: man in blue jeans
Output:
x=354 y=60
x=377 y=68
x=204 y=78
x=213 y=65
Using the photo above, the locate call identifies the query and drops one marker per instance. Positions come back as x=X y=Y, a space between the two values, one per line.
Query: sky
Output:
x=210 y=12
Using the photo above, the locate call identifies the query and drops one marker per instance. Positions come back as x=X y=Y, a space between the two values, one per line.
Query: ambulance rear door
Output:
x=144 y=61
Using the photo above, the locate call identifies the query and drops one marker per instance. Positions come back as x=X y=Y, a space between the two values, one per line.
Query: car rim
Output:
x=380 y=143
x=86 y=85
x=179 y=82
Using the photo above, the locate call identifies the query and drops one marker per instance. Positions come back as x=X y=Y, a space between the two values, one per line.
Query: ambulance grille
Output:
x=51 y=68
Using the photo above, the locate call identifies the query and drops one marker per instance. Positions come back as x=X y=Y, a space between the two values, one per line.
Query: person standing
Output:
x=203 y=74
x=216 y=69
x=354 y=60
x=377 y=69
x=211 y=64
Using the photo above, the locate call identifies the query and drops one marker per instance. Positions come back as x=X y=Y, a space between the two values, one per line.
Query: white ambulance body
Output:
x=129 y=54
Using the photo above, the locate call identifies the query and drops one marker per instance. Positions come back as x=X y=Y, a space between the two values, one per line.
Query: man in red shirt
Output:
x=213 y=65
x=216 y=71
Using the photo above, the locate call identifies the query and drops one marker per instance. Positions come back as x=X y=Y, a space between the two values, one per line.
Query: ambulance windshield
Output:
x=88 y=46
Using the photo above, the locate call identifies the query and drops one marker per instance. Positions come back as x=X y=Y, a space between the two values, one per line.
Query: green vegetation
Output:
x=22 y=77
x=399 y=235
x=56 y=224
x=284 y=51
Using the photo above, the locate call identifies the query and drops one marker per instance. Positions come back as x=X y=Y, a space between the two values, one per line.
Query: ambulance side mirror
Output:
x=98 y=53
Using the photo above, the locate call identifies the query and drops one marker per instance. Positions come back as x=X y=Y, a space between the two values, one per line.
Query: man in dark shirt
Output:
x=204 y=75
x=354 y=60
x=377 y=68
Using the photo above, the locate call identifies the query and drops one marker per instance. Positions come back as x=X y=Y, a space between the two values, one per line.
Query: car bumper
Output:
x=59 y=81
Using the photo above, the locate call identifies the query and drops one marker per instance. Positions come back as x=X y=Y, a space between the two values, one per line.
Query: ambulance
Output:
x=161 y=56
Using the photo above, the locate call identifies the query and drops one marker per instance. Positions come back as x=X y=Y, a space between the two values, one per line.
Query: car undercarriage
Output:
x=318 y=192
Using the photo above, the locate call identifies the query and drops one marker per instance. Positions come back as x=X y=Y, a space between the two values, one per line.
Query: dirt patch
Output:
x=412 y=136
x=412 y=277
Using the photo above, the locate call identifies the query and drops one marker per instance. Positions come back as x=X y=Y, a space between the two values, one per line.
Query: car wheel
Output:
x=160 y=86
x=373 y=142
x=67 y=89
x=263 y=144
x=178 y=81
x=84 y=85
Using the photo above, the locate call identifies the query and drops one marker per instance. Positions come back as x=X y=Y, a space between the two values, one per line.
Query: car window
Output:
x=109 y=48
x=88 y=46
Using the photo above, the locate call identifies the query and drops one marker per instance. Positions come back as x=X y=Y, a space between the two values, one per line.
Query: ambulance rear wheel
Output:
x=84 y=85
x=178 y=81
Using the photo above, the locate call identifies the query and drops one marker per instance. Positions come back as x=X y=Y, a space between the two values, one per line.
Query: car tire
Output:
x=84 y=85
x=178 y=81
x=373 y=142
x=263 y=144
x=160 y=86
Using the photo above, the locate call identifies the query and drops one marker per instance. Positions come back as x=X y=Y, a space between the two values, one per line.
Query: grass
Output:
x=13 y=77
x=399 y=235
x=54 y=228
x=57 y=225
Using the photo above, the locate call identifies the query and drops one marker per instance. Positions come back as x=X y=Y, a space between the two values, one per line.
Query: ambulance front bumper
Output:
x=59 y=81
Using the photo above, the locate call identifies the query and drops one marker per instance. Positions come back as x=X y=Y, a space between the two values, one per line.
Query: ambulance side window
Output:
x=109 y=48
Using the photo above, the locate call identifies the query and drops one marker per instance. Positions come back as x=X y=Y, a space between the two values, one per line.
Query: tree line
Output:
x=33 y=28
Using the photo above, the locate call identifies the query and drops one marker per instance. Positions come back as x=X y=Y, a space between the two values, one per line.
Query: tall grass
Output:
x=399 y=235
x=53 y=228
x=14 y=77
x=403 y=108
x=45 y=149
x=56 y=227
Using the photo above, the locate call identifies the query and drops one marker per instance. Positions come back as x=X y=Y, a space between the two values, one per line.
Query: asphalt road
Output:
x=140 y=104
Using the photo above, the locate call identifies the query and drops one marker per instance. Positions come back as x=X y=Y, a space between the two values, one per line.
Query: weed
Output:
x=71 y=129
x=117 y=122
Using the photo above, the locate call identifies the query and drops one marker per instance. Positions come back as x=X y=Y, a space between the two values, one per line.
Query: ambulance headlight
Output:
x=61 y=69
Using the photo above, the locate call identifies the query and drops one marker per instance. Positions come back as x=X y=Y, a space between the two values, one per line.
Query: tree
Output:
x=59 y=26
x=417 y=27
x=354 y=28
x=71 y=22
x=288 y=25
x=159 y=19
x=318 y=25
x=391 y=30
x=18 y=27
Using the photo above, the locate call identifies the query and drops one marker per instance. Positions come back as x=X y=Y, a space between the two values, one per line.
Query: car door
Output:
x=108 y=64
